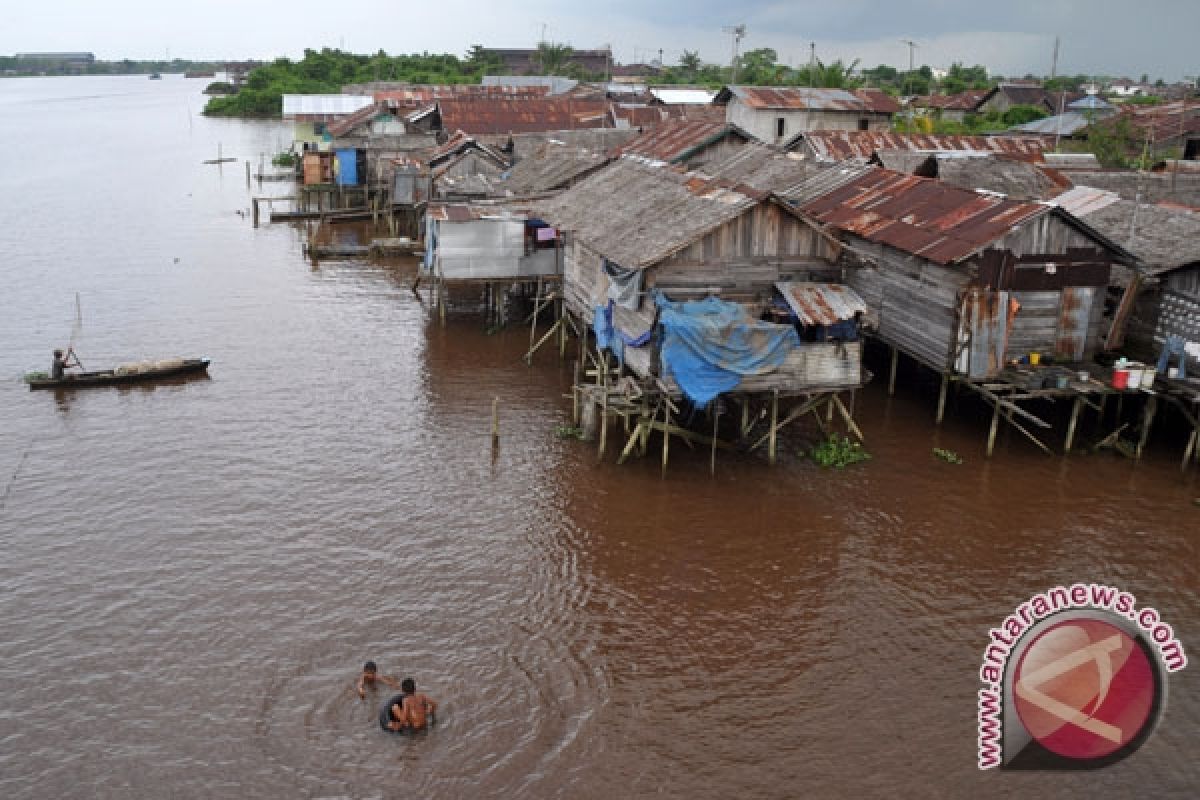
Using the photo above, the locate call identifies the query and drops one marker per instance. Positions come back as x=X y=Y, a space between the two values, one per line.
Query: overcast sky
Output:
x=1156 y=37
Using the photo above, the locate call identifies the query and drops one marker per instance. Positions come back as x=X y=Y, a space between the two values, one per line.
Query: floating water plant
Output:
x=949 y=456
x=838 y=452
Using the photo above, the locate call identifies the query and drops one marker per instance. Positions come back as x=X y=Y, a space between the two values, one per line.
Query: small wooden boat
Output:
x=117 y=377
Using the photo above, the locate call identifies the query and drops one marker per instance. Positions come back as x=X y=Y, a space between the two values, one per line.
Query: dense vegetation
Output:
x=11 y=65
x=326 y=71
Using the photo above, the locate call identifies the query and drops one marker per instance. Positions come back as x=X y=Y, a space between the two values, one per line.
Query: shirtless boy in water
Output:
x=370 y=676
x=418 y=708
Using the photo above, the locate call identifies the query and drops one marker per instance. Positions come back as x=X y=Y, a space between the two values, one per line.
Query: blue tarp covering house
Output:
x=709 y=345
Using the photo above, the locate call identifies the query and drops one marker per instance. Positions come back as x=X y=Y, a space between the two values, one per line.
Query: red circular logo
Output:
x=1084 y=689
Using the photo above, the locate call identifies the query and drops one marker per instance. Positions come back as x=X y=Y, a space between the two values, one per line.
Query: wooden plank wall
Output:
x=914 y=302
x=1044 y=235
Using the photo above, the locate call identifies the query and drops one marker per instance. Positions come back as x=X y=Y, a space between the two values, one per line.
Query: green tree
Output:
x=689 y=62
x=552 y=58
x=756 y=67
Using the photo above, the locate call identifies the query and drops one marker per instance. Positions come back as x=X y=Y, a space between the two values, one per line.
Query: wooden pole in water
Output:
x=1191 y=446
x=666 y=432
x=892 y=373
x=495 y=425
x=254 y=207
x=941 y=411
x=575 y=393
x=991 y=443
x=774 y=422
x=1075 y=409
x=1147 y=421
x=603 y=366
x=247 y=173
x=712 y=456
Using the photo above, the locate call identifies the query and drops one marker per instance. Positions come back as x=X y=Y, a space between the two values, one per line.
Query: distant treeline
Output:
x=11 y=65
x=326 y=71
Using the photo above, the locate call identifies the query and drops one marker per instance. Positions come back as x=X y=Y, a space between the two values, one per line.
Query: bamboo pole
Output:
x=991 y=442
x=849 y=420
x=892 y=371
x=1075 y=409
x=666 y=432
x=712 y=456
x=1191 y=446
x=774 y=420
x=603 y=376
x=941 y=408
x=1147 y=422
x=495 y=425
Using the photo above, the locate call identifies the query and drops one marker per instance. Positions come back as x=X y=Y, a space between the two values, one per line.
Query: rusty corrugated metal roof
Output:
x=346 y=124
x=421 y=95
x=821 y=303
x=925 y=217
x=963 y=101
x=525 y=115
x=675 y=139
x=802 y=98
x=849 y=145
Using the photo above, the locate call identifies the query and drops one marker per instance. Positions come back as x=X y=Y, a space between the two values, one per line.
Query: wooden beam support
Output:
x=892 y=371
x=1147 y=421
x=941 y=407
x=1075 y=409
x=774 y=426
x=849 y=420
x=991 y=442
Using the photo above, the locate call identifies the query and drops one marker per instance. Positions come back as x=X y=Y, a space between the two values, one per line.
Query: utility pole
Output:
x=911 y=47
x=1054 y=62
x=812 y=64
x=737 y=31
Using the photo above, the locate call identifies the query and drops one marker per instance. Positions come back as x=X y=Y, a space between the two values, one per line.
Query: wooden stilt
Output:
x=991 y=442
x=495 y=426
x=1075 y=409
x=774 y=431
x=666 y=434
x=849 y=420
x=575 y=393
x=1191 y=446
x=941 y=408
x=745 y=428
x=829 y=411
x=603 y=422
x=1147 y=421
x=562 y=331
x=712 y=457
x=892 y=371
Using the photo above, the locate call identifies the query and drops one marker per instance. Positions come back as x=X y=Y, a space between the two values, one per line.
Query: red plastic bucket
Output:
x=1120 y=378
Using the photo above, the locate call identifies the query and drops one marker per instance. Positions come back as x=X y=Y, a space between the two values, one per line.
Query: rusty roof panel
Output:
x=919 y=215
x=421 y=95
x=849 y=145
x=963 y=101
x=479 y=115
x=805 y=99
x=821 y=303
x=674 y=139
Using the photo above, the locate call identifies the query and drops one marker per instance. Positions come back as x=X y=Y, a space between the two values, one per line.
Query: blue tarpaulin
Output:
x=608 y=337
x=708 y=345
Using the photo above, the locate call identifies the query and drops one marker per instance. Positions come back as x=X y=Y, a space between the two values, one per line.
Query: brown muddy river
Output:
x=192 y=574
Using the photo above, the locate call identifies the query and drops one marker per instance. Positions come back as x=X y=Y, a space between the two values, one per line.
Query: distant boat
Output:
x=154 y=76
x=122 y=375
